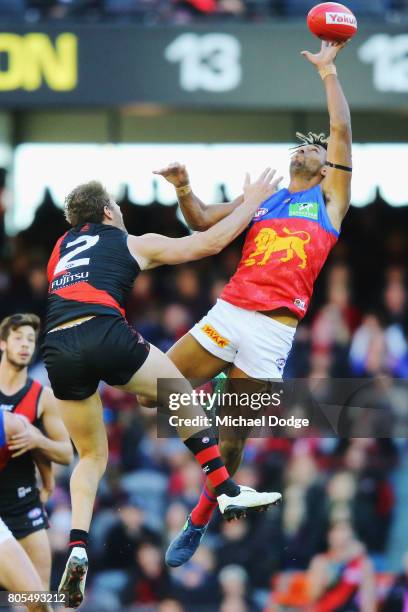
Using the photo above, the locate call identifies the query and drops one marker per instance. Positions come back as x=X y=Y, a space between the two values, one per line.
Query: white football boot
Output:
x=248 y=499
x=72 y=583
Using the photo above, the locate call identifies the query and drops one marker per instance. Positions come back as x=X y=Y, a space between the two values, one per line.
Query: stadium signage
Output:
x=389 y=56
x=31 y=60
x=230 y=67
x=210 y=62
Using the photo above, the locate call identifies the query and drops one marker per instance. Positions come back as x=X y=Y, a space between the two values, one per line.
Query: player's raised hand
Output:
x=326 y=55
x=263 y=188
x=174 y=173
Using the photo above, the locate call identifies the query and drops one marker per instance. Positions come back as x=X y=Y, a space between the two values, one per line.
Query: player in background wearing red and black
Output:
x=44 y=434
x=251 y=327
x=12 y=554
x=91 y=273
x=17 y=573
x=342 y=578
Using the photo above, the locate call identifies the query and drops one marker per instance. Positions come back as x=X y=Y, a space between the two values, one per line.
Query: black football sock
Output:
x=206 y=451
x=78 y=537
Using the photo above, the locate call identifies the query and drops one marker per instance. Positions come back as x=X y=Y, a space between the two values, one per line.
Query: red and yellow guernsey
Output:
x=288 y=241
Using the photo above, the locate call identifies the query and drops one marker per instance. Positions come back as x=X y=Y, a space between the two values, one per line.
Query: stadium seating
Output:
x=373 y=8
x=159 y=10
x=12 y=8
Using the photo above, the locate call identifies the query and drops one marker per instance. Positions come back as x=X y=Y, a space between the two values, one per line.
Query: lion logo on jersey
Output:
x=268 y=241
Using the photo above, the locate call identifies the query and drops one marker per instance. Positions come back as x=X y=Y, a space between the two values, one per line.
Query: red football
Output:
x=332 y=21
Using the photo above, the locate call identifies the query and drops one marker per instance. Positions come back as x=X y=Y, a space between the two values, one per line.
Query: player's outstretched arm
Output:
x=198 y=216
x=152 y=250
x=337 y=183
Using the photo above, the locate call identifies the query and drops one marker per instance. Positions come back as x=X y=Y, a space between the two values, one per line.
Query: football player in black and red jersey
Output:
x=21 y=502
x=12 y=554
x=91 y=272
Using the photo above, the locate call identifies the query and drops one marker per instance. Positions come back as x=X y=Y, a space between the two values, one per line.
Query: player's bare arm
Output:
x=13 y=424
x=199 y=216
x=337 y=182
x=317 y=577
x=55 y=445
x=45 y=470
x=152 y=250
x=367 y=587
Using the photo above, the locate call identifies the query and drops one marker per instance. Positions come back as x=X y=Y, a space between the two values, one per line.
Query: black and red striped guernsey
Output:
x=20 y=471
x=90 y=272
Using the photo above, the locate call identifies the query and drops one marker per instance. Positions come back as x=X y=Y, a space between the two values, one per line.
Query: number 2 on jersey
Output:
x=67 y=261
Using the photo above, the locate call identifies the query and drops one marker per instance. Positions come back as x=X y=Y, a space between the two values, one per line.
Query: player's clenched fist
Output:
x=175 y=173
x=263 y=188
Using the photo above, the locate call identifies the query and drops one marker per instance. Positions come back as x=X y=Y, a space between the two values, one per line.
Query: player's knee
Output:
x=97 y=456
x=101 y=459
x=171 y=387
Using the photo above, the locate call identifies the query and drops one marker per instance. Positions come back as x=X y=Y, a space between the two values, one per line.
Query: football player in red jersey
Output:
x=12 y=555
x=252 y=326
x=21 y=502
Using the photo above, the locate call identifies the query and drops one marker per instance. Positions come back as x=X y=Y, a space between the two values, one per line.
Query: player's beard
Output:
x=301 y=169
x=16 y=362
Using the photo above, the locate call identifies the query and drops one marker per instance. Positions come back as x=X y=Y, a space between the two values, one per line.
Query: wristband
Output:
x=327 y=70
x=184 y=190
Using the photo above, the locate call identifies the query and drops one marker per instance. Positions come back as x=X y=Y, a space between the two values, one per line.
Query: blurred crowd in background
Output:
x=344 y=500
x=184 y=11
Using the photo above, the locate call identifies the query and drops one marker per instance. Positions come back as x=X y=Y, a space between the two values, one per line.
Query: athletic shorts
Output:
x=255 y=343
x=5 y=533
x=103 y=348
x=24 y=514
